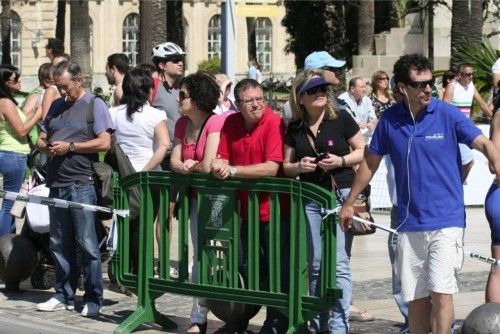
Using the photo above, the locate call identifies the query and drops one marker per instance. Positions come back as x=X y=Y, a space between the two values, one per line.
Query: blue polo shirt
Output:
x=427 y=163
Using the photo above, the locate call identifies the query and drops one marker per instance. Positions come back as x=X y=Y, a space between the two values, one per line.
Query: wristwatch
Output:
x=232 y=171
x=72 y=147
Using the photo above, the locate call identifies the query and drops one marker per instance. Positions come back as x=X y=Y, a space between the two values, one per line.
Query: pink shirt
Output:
x=214 y=124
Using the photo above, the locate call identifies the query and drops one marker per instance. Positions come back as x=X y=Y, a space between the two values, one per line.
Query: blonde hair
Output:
x=299 y=112
x=375 y=86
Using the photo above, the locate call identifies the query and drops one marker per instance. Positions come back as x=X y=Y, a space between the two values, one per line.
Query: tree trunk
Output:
x=175 y=24
x=151 y=34
x=80 y=38
x=5 y=32
x=61 y=20
x=252 y=46
x=466 y=21
x=366 y=27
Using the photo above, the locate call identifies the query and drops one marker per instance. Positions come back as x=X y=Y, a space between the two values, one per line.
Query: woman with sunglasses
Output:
x=14 y=147
x=196 y=140
x=322 y=143
x=381 y=96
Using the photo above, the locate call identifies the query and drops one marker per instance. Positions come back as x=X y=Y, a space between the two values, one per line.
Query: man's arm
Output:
x=487 y=112
x=100 y=143
x=485 y=146
x=268 y=168
x=365 y=173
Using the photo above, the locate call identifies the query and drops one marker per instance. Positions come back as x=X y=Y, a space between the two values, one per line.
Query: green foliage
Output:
x=98 y=91
x=211 y=65
x=482 y=56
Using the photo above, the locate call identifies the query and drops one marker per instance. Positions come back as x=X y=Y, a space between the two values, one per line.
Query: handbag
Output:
x=361 y=206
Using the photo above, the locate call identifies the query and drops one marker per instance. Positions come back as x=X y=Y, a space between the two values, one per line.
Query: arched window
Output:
x=214 y=37
x=131 y=37
x=15 y=39
x=263 y=39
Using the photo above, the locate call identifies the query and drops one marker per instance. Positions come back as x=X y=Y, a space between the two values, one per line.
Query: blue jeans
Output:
x=339 y=321
x=392 y=243
x=13 y=169
x=69 y=229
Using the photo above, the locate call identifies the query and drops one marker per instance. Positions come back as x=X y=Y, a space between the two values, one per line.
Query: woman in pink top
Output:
x=196 y=141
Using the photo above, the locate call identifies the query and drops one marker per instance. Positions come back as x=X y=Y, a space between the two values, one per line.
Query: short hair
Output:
x=462 y=66
x=136 y=85
x=120 y=61
x=44 y=73
x=353 y=81
x=244 y=85
x=56 y=45
x=62 y=56
x=6 y=72
x=408 y=63
x=203 y=90
x=67 y=65
x=298 y=110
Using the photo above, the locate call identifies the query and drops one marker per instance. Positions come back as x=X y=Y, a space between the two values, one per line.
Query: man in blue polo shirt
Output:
x=421 y=135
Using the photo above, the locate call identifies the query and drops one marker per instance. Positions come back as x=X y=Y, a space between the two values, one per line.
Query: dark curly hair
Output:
x=136 y=85
x=6 y=72
x=203 y=90
x=407 y=63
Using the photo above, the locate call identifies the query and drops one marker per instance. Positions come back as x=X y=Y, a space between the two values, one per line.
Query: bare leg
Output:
x=493 y=283
x=420 y=316
x=442 y=313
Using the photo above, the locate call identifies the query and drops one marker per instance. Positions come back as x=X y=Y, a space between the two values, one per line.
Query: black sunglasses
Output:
x=421 y=84
x=183 y=95
x=316 y=90
x=175 y=60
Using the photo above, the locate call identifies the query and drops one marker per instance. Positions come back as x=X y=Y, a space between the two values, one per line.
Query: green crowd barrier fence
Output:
x=279 y=281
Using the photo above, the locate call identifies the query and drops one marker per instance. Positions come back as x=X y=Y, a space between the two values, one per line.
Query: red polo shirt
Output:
x=264 y=142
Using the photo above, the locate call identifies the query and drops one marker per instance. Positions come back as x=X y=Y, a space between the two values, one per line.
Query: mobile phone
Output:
x=320 y=157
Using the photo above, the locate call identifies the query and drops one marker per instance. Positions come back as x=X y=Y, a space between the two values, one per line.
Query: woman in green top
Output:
x=14 y=148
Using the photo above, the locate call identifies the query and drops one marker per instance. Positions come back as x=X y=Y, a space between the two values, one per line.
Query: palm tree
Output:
x=5 y=32
x=80 y=38
x=61 y=20
x=366 y=27
x=467 y=21
x=151 y=34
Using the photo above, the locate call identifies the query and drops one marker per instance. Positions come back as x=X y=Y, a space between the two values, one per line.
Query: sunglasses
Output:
x=421 y=84
x=468 y=75
x=383 y=78
x=175 y=60
x=316 y=90
x=331 y=69
x=14 y=80
x=183 y=95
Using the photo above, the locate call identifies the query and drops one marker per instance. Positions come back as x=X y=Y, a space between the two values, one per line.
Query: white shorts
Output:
x=465 y=154
x=429 y=262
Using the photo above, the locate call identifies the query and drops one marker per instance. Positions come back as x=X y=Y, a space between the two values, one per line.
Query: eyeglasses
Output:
x=175 y=60
x=468 y=75
x=383 y=78
x=316 y=90
x=421 y=84
x=183 y=95
x=258 y=100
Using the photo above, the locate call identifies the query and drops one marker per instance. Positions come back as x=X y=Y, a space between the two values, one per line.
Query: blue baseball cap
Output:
x=311 y=83
x=320 y=59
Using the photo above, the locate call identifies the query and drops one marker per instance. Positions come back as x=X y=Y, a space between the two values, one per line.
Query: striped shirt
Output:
x=462 y=97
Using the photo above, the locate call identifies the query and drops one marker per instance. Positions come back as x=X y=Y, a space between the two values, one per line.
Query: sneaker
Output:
x=54 y=304
x=91 y=310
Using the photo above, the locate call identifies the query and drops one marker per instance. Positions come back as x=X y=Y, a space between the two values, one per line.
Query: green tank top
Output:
x=8 y=139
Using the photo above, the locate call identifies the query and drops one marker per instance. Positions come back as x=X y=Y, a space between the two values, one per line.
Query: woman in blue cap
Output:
x=322 y=143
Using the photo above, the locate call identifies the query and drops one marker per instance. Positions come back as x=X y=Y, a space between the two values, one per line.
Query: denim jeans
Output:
x=339 y=321
x=69 y=229
x=392 y=243
x=13 y=169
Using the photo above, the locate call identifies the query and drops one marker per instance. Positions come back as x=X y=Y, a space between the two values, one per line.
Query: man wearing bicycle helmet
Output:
x=169 y=62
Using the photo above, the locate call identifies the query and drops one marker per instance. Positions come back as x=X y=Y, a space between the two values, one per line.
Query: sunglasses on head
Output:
x=316 y=90
x=175 y=60
x=183 y=95
x=421 y=84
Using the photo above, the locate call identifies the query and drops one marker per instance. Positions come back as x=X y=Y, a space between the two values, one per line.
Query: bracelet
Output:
x=343 y=161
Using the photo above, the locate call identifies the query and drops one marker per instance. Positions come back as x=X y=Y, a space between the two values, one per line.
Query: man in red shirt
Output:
x=251 y=146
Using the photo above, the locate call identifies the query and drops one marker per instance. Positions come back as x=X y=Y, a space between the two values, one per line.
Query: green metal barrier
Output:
x=218 y=240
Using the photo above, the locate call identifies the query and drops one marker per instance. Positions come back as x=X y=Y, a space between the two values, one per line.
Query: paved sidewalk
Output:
x=371 y=291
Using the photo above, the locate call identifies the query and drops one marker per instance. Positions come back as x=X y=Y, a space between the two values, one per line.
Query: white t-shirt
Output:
x=136 y=135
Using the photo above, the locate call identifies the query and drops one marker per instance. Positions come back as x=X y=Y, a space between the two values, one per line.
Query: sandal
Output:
x=197 y=328
x=361 y=316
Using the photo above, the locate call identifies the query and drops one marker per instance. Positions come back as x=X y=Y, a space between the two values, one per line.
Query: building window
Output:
x=263 y=39
x=131 y=37
x=15 y=39
x=214 y=37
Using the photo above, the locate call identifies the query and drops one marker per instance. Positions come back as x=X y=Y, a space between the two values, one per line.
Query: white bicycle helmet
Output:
x=165 y=50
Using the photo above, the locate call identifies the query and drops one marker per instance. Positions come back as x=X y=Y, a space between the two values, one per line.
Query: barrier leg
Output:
x=144 y=315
